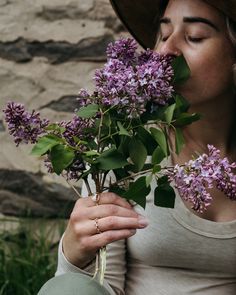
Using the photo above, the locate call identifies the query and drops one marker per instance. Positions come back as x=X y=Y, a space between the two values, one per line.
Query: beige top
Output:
x=178 y=253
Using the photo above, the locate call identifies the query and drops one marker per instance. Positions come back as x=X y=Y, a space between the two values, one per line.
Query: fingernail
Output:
x=142 y=221
x=133 y=231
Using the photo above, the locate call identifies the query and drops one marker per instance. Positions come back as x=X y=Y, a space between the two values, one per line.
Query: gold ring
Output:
x=96 y=225
x=96 y=198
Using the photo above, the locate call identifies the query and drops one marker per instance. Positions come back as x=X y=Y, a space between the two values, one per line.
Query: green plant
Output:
x=28 y=256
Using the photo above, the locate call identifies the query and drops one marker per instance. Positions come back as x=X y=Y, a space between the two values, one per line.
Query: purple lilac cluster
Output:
x=154 y=74
x=129 y=80
x=73 y=172
x=79 y=128
x=84 y=98
x=74 y=130
x=75 y=169
x=197 y=176
x=23 y=126
x=123 y=50
x=26 y=127
x=82 y=130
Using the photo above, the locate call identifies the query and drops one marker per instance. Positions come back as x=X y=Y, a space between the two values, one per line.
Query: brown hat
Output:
x=140 y=17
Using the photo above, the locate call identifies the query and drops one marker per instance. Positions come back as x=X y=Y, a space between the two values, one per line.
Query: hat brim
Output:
x=141 y=17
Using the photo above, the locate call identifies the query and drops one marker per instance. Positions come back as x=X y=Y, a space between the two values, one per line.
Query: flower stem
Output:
x=73 y=187
x=88 y=186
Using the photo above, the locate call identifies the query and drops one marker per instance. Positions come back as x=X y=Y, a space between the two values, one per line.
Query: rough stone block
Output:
x=26 y=194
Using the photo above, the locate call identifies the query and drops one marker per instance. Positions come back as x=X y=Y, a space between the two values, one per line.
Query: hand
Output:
x=92 y=226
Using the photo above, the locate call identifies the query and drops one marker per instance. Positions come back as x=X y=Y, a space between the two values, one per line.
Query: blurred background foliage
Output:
x=28 y=254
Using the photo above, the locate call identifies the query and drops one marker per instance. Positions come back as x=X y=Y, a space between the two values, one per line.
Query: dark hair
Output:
x=231 y=27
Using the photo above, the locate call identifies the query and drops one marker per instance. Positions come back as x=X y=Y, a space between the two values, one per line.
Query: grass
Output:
x=28 y=256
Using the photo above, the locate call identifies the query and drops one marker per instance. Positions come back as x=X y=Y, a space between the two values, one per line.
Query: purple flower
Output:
x=77 y=128
x=123 y=50
x=145 y=56
x=74 y=171
x=24 y=126
x=195 y=178
x=76 y=132
x=128 y=80
x=154 y=78
x=48 y=164
x=84 y=98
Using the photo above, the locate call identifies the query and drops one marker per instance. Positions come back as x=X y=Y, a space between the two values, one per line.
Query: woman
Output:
x=172 y=251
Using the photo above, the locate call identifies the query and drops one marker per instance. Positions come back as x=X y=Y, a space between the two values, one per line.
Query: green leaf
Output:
x=91 y=153
x=111 y=159
x=44 y=144
x=121 y=173
x=61 y=157
x=160 y=138
x=92 y=144
x=156 y=169
x=181 y=103
x=122 y=130
x=138 y=191
x=55 y=127
x=186 y=119
x=88 y=111
x=85 y=174
x=147 y=140
x=138 y=153
x=179 y=140
x=77 y=140
x=169 y=112
x=157 y=156
x=107 y=120
x=147 y=166
x=164 y=194
x=117 y=190
x=124 y=146
x=149 y=179
x=162 y=180
x=181 y=70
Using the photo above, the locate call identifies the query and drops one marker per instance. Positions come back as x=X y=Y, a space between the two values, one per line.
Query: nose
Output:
x=169 y=47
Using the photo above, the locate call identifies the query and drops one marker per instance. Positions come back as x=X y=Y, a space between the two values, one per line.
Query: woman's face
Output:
x=198 y=32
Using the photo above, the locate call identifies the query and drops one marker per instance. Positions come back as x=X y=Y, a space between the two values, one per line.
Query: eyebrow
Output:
x=192 y=19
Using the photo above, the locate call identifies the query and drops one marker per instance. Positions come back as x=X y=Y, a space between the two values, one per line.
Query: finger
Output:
x=108 y=237
x=109 y=198
x=109 y=210
x=117 y=223
x=115 y=202
x=96 y=226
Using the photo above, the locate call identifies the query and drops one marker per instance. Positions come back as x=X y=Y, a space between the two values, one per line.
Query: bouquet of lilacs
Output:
x=126 y=119
x=123 y=129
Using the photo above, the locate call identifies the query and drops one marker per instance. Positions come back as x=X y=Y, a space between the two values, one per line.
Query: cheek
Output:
x=213 y=71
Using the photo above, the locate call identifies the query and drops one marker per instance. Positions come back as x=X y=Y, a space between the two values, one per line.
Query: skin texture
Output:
x=210 y=88
x=210 y=56
x=208 y=52
x=117 y=220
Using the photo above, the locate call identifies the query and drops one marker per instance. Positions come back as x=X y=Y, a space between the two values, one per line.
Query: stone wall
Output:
x=48 y=51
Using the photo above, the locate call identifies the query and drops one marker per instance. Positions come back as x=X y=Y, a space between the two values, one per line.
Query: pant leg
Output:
x=72 y=284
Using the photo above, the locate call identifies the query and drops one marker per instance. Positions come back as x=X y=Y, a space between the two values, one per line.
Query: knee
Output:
x=72 y=284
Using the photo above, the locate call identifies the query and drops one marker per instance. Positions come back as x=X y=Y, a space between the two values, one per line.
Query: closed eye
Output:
x=195 y=39
x=189 y=38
